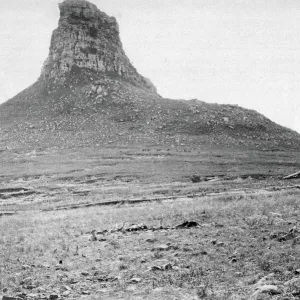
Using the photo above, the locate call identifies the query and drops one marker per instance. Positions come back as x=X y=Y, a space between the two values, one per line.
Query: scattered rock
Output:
x=294 y=230
x=135 y=280
x=61 y=268
x=265 y=289
x=196 y=178
x=102 y=240
x=136 y=227
x=26 y=281
x=293 y=283
x=102 y=232
x=285 y=236
x=99 y=89
x=187 y=224
x=93 y=237
x=164 y=267
x=107 y=279
x=275 y=235
x=219 y=225
x=85 y=292
x=53 y=297
x=220 y=244
x=24 y=267
x=150 y=240
x=66 y=288
x=66 y=293
x=162 y=247
x=73 y=281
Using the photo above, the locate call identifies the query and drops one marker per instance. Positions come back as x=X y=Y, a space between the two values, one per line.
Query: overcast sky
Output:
x=244 y=52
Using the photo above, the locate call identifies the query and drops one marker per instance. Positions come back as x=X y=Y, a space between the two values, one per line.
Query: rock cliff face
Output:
x=88 y=38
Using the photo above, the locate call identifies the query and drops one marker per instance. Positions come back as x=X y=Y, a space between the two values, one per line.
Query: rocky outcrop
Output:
x=89 y=39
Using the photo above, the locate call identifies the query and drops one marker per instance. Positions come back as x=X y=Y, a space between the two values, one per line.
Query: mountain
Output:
x=89 y=93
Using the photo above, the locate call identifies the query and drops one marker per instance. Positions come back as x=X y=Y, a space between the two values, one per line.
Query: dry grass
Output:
x=50 y=252
x=240 y=238
x=69 y=177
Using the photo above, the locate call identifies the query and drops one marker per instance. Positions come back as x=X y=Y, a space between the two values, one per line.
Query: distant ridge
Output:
x=89 y=94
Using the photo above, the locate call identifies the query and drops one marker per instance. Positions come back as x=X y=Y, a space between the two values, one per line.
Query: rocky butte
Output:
x=89 y=94
x=88 y=38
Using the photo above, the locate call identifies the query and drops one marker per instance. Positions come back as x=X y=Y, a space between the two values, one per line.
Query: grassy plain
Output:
x=247 y=216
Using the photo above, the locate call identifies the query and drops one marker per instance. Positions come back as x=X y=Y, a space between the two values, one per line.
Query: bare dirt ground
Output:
x=149 y=223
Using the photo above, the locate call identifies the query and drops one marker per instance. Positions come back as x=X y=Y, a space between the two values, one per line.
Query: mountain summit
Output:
x=88 y=38
x=90 y=94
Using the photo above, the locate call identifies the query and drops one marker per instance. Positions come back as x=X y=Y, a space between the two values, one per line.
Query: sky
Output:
x=244 y=52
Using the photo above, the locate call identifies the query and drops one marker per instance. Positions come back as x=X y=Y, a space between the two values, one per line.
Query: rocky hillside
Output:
x=90 y=94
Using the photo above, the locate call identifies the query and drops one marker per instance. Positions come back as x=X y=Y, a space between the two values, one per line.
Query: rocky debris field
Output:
x=93 y=109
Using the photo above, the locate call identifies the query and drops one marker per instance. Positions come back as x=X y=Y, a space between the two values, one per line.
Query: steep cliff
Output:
x=88 y=38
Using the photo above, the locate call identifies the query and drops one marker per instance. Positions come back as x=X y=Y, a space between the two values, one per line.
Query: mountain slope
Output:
x=90 y=94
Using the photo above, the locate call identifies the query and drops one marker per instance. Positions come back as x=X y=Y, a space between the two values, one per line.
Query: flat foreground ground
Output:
x=149 y=224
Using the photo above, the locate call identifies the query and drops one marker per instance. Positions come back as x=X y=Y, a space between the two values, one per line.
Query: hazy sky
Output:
x=244 y=52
